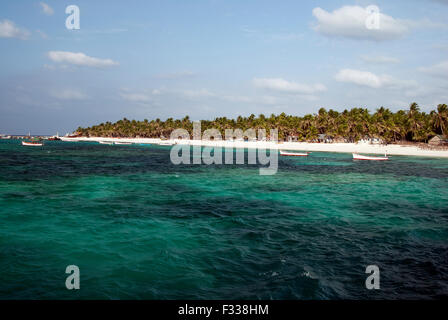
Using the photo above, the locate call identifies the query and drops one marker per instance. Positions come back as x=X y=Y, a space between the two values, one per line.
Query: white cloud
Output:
x=440 y=69
x=350 y=22
x=80 y=59
x=46 y=9
x=369 y=79
x=379 y=59
x=281 y=85
x=9 y=30
x=68 y=94
x=362 y=78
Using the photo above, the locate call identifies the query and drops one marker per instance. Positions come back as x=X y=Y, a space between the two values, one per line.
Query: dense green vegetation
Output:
x=352 y=125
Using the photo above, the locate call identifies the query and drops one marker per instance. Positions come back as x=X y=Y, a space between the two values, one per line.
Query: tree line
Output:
x=351 y=125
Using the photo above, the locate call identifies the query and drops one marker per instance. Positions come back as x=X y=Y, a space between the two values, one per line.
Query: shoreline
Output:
x=391 y=149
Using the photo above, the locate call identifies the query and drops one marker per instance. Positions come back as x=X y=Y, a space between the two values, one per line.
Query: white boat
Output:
x=166 y=143
x=293 y=154
x=32 y=144
x=105 y=142
x=123 y=143
x=357 y=156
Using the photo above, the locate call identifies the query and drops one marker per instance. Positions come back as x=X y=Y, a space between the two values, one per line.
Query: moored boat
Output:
x=293 y=154
x=166 y=143
x=106 y=142
x=32 y=143
x=123 y=143
x=54 y=138
x=357 y=156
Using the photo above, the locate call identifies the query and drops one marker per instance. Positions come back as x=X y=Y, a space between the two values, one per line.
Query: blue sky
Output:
x=160 y=59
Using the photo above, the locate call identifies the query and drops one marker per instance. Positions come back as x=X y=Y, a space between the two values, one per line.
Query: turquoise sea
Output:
x=139 y=227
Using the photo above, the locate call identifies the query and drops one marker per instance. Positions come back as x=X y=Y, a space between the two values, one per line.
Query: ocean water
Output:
x=139 y=227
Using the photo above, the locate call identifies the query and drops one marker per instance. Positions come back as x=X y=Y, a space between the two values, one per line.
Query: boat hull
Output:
x=293 y=154
x=367 y=158
x=29 y=144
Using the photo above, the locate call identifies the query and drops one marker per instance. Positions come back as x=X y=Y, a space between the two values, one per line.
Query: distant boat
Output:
x=106 y=142
x=54 y=138
x=293 y=154
x=357 y=156
x=166 y=143
x=32 y=143
x=123 y=143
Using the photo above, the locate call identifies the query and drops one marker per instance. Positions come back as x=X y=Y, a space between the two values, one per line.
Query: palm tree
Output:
x=440 y=119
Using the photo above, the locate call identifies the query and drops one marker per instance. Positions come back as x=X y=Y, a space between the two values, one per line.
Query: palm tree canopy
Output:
x=351 y=125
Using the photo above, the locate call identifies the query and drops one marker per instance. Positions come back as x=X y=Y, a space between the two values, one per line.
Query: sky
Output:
x=144 y=59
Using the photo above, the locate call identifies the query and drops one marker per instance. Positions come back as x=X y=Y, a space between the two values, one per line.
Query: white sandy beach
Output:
x=391 y=149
